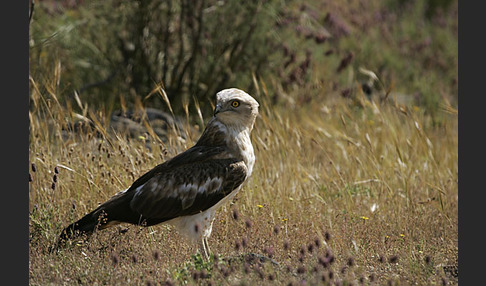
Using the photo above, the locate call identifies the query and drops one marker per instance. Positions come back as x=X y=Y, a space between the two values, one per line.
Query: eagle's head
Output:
x=235 y=107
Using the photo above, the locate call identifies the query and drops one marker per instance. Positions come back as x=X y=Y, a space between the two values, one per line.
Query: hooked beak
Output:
x=217 y=109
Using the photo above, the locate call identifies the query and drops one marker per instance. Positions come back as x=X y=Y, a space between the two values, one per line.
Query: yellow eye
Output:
x=235 y=103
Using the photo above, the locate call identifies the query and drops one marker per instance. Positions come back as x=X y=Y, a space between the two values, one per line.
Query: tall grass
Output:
x=341 y=192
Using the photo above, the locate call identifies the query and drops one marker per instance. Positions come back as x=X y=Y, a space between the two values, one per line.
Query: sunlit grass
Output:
x=340 y=192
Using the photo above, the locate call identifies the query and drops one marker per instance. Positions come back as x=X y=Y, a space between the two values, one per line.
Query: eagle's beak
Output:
x=217 y=109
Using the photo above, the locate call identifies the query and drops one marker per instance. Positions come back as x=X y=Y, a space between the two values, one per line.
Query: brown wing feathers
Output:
x=185 y=185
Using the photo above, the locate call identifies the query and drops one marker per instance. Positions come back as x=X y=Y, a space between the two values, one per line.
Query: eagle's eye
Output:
x=235 y=103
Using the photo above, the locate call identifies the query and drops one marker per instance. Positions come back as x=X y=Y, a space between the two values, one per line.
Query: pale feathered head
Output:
x=235 y=107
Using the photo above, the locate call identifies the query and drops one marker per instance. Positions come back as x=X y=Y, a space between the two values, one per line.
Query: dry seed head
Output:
x=34 y=168
x=301 y=269
x=246 y=268
x=244 y=242
x=271 y=277
x=166 y=283
x=323 y=277
x=288 y=268
x=327 y=236
x=393 y=259
x=324 y=261
x=236 y=215
x=270 y=251
x=115 y=259
x=302 y=250
x=286 y=245
x=331 y=275
x=156 y=255
x=350 y=261
x=260 y=272
x=276 y=229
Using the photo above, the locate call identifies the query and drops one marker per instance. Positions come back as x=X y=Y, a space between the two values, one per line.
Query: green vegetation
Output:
x=356 y=178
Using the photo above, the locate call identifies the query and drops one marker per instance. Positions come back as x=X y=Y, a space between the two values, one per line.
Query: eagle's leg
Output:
x=203 y=250
x=206 y=244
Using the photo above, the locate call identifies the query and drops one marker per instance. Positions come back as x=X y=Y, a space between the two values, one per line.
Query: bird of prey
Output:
x=186 y=191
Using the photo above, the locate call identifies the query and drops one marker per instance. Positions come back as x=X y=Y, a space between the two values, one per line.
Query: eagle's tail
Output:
x=84 y=226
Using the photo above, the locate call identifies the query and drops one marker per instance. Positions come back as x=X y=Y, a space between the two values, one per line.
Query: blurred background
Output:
x=118 y=54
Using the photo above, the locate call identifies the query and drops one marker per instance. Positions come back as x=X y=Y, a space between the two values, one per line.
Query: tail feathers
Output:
x=85 y=226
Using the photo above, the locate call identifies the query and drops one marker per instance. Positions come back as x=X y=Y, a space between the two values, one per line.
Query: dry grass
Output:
x=341 y=193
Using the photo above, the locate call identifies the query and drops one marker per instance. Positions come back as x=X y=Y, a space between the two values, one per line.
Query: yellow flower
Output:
x=285 y=219
x=402 y=235
x=260 y=206
x=364 y=217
